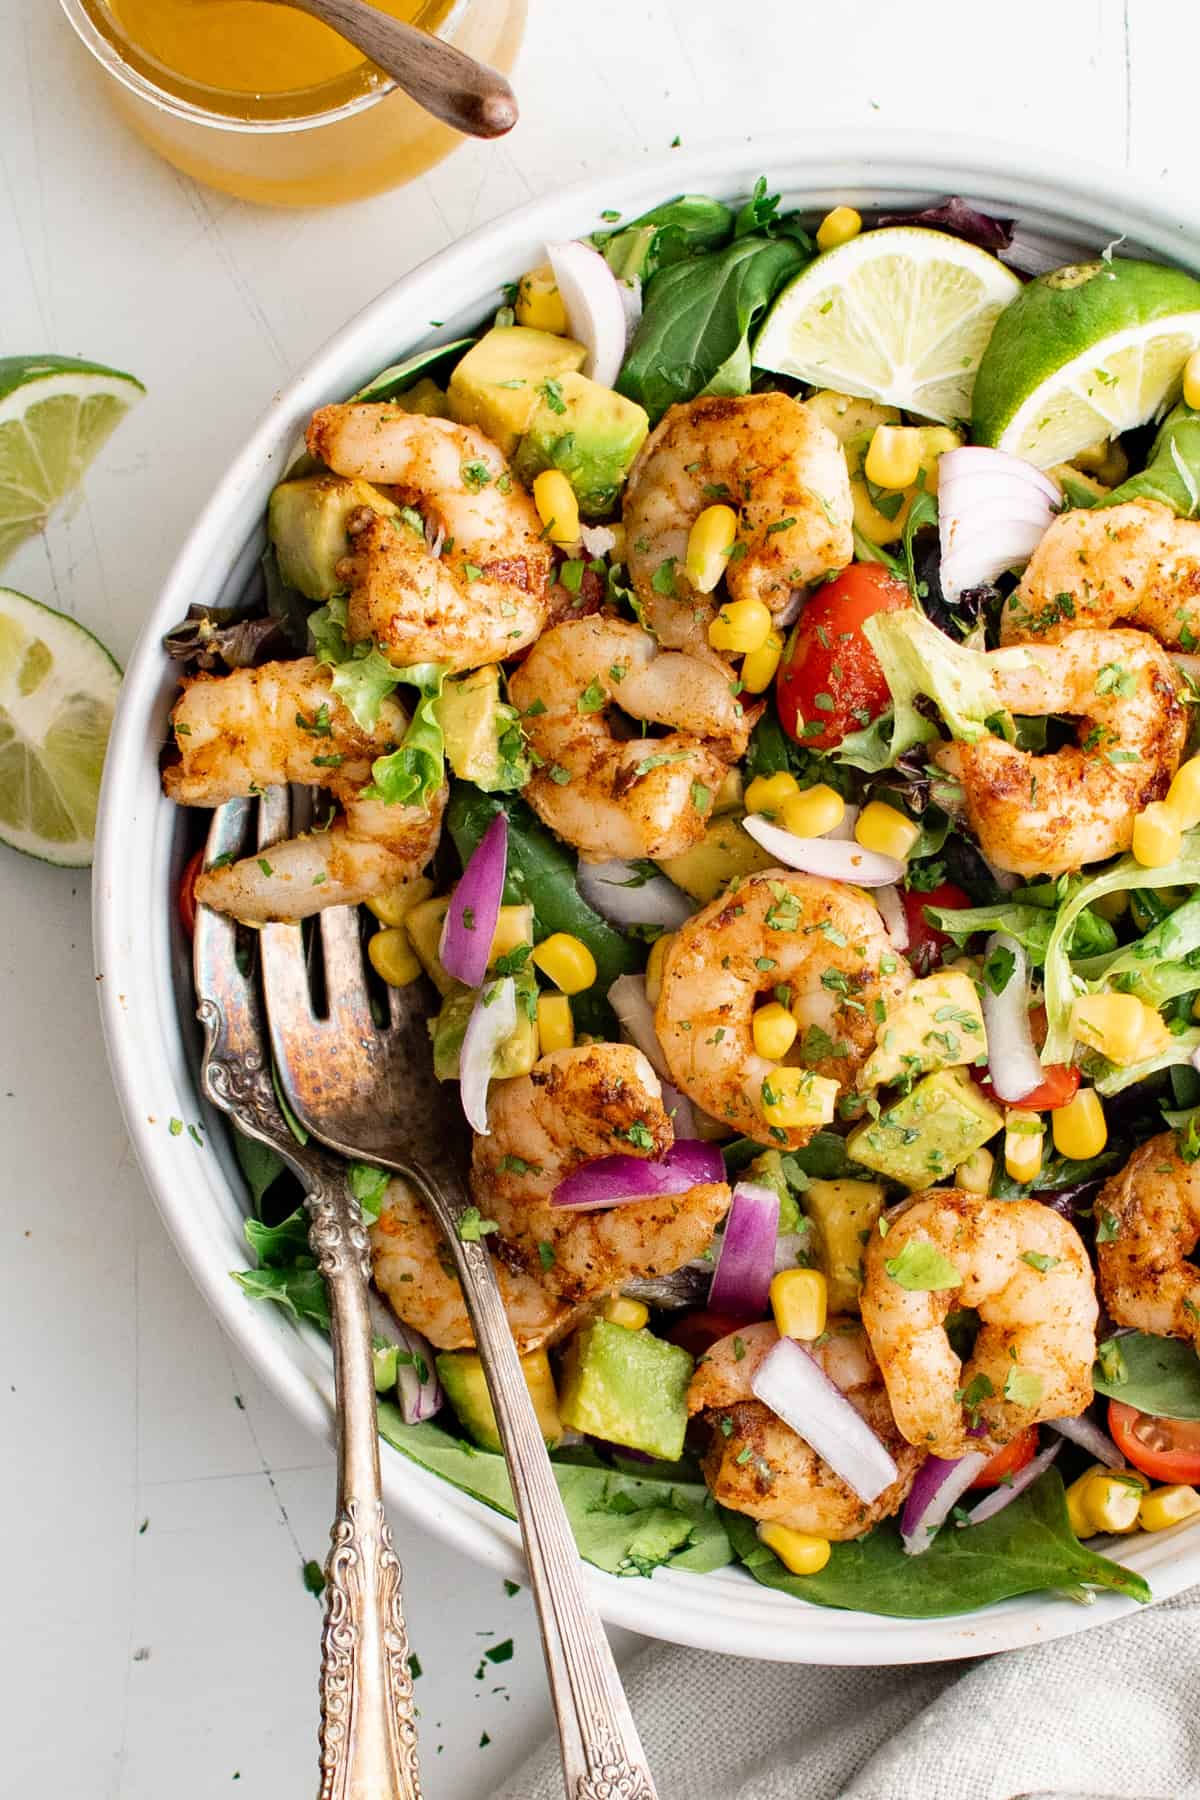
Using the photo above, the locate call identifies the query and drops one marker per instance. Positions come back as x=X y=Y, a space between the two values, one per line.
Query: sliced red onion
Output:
x=597 y=540
x=618 y=1180
x=627 y=997
x=1003 y=1496
x=1088 y=1435
x=1014 y=1067
x=493 y=1018
x=418 y=1389
x=843 y=831
x=741 y=1283
x=624 y=894
x=789 y=613
x=895 y=919
x=993 y=510
x=679 y=1110
x=833 y=858
x=792 y=1249
x=592 y=296
x=631 y=301
x=1195 y=1059
x=940 y=1482
x=470 y=926
x=798 y=1391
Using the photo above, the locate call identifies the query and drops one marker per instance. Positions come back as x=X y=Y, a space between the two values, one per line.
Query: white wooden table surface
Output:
x=157 y=1505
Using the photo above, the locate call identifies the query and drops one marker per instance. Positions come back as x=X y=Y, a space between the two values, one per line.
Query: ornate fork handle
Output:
x=368 y=1732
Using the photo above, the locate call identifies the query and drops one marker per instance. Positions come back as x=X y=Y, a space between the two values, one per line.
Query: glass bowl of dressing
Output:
x=264 y=102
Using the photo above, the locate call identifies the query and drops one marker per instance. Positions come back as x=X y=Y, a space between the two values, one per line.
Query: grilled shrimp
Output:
x=757 y=1465
x=780 y=469
x=485 y=592
x=1151 y=1209
x=635 y=796
x=1043 y=815
x=823 y=941
x=415 y=1272
x=1026 y=1272
x=281 y=722
x=573 y=1106
x=1135 y=564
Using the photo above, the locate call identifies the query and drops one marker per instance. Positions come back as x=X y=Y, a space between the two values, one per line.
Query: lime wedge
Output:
x=899 y=315
x=55 y=413
x=1086 y=352
x=58 y=688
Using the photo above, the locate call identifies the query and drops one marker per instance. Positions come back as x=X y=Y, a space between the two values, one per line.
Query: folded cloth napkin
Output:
x=1109 y=1714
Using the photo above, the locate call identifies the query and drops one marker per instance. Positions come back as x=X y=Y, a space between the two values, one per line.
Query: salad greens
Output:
x=1157 y=1375
x=667 y=234
x=917 y=659
x=1172 y=475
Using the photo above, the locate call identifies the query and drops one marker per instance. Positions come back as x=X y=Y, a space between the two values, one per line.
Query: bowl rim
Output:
x=142 y=976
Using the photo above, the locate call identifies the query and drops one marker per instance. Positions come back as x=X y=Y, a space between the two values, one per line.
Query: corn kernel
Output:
x=1157 y=835
x=655 y=963
x=393 y=903
x=975 y=1175
x=1183 y=795
x=1111 y=1498
x=1024 y=1136
x=729 y=796
x=838 y=227
x=393 y=957
x=1078 y=1517
x=813 y=811
x=893 y=458
x=1122 y=1027
x=708 y=547
x=798 y=1551
x=632 y=1314
x=539 y=302
x=800 y=1301
x=768 y=793
x=758 y=669
x=881 y=828
x=556 y=1028
x=792 y=1098
x=1168 y=1506
x=741 y=627
x=557 y=507
x=567 y=961
x=514 y=927
x=774 y=1031
x=1080 y=1128
x=1191 y=379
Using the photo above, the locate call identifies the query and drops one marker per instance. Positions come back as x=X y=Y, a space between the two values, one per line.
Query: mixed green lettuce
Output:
x=919 y=660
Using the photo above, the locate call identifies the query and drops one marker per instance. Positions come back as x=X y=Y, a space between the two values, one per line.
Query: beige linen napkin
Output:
x=1110 y=1714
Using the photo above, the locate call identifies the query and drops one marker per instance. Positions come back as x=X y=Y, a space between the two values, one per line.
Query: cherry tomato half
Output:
x=926 y=944
x=830 y=682
x=697 y=1332
x=187 y=891
x=1008 y=1459
x=1164 y=1449
x=1059 y=1085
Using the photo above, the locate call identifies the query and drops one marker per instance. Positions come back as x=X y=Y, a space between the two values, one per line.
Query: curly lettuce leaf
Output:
x=918 y=659
x=1032 y=926
x=362 y=676
x=412 y=774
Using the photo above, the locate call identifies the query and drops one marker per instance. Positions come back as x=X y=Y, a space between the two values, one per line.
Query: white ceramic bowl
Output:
x=145 y=991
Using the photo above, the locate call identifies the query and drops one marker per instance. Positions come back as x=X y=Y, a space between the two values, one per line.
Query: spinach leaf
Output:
x=1172 y=474
x=688 y=226
x=301 y=1291
x=1027 y=1547
x=823 y=1158
x=694 y=335
x=1057 y=1175
x=261 y=1166
x=282 y=1246
x=1157 y=1375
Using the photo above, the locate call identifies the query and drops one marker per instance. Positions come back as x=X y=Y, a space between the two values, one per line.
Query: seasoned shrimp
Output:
x=1043 y=815
x=415 y=1272
x=635 y=796
x=1025 y=1271
x=823 y=941
x=281 y=722
x=484 y=592
x=1135 y=564
x=757 y=1465
x=1151 y=1210
x=783 y=472
x=576 y=1105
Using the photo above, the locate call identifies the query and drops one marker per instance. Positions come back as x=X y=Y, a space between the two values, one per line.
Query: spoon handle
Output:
x=446 y=82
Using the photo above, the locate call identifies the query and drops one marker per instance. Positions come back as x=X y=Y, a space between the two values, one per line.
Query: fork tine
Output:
x=214 y=944
x=345 y=981
x=274 y=817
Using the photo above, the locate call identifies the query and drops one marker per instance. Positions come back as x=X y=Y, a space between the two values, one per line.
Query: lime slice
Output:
x=899 y=315
x=55 y=413
x=58 y=688
x=1085 y=353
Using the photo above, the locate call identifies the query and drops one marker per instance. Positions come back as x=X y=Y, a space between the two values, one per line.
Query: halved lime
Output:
x=1086 y=352
x=58 y=688
x=899 y=315
x=55 y=413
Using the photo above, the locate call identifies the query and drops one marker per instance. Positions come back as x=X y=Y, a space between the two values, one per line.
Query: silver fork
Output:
x=368 y=1736
x=368 y=1090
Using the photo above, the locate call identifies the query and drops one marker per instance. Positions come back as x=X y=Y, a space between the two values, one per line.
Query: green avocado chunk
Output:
x=497 y=383
x=306 y=520
x=924 y=1136
x=589 y=432
x=517 y=1053
x=483 y=732
x=461 y=1374
x=627 y=1387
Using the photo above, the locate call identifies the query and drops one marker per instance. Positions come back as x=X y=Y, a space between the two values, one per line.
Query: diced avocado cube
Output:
x=518 y=1052
x=306 y=521
x=627 y=1387
x=844 y=1213
x=768 y=1170
x=589 y=432
x=936 y=1023
x=387 y=1367
x=461 y=1374
x=496 y=384
x=424 y=396
x=924 y=1136
x=424 y=922
x=724 y=851
x=483 y=732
